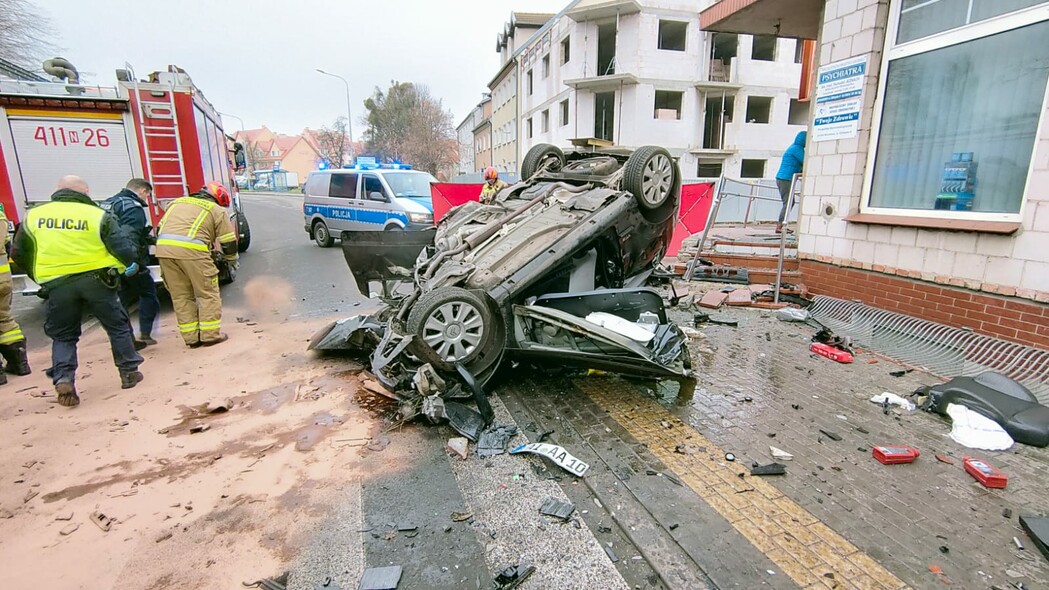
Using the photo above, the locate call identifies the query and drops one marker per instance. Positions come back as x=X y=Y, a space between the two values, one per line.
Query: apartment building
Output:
x=465 y=137
x=631 y=73
x=482 y=136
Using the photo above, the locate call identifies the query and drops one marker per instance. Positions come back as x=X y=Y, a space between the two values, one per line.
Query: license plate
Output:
x=557 y=454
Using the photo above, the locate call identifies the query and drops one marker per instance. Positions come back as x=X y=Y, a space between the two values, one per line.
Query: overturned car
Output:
x=551 y=272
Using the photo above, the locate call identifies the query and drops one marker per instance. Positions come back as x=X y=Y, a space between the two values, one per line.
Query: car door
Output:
x=375 y=203
x=342 y=202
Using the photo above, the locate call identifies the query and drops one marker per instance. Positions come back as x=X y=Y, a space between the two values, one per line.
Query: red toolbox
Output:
x=895 y=454
x=984 y=473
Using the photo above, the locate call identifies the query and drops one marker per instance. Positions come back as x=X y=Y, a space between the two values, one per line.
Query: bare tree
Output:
x=333 y=143
x=406 y=123
x=25 y=33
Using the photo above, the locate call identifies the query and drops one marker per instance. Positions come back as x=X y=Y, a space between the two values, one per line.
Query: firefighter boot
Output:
x=17 y=358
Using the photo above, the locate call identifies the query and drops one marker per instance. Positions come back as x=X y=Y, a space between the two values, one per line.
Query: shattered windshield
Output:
x=409 y=184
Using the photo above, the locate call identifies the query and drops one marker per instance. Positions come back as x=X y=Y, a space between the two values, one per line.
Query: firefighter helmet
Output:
x=490 y=173
x=218 y=191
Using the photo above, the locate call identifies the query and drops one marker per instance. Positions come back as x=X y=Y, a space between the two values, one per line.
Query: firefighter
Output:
x=12 y=341
x=129 y=207
x=185 y=238
x=76 y=252
x=492 y=185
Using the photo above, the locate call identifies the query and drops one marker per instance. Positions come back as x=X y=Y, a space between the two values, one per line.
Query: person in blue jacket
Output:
x=129 y=206
x=793 y=162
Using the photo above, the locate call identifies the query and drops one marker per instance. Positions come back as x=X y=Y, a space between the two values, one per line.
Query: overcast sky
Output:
x=256 y=59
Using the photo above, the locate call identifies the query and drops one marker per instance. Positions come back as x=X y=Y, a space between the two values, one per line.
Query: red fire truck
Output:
x=161 y=129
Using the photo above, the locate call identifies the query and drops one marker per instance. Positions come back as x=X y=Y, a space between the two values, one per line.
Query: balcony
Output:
x=600 y=83
x=589 y=10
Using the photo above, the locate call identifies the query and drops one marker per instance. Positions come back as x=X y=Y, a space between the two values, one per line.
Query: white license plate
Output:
x=557 y=454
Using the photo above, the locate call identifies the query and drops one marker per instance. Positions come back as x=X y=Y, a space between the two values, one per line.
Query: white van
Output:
x=366 y=198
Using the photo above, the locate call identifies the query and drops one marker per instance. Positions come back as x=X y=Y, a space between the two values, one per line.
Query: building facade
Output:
x=465 y=136
x=482 y=136
x=924 y=189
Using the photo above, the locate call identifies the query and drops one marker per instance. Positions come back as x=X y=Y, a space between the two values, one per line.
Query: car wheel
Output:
x=245 y=231
x=651 y=176
x=542 y=156
x=453 y=325
x=321 y=235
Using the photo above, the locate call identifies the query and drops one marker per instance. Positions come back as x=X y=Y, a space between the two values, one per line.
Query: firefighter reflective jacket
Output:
x=488 y=191
x=190 y=227
x=68 y=236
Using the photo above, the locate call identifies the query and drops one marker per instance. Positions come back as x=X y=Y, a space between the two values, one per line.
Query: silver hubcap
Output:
x=322 y=234
x=454 y=330
x=659 y=174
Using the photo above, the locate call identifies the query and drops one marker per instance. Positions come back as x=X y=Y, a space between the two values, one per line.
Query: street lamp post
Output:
x=349 y=116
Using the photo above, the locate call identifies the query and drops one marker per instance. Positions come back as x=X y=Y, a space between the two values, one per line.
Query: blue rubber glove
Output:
x=131 y=269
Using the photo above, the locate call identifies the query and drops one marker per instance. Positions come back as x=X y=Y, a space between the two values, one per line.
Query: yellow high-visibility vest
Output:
x=68 y=240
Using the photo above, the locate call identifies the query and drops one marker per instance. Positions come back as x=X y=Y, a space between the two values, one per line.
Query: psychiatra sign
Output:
x=839 y=99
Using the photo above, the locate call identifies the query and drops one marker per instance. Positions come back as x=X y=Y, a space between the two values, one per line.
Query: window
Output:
x=546 y=121
x=564 y=112
x=764 y=48
x=528 y=128
x=343 y=185
x=759 y=109
x=960 y=114
x=709 y=168
x=668 y=104
x=529 y=79
x=922 y=18
x=752 y=169
x=672 y=35
x=799 y=50
x=606 y=49
x=799 y=113
x=372 y=184
x=546 y=66
x=566 y=50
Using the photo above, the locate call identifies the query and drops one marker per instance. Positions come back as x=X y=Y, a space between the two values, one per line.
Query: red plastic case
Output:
x=895 y=454
x=834 y=354
x=984 y=473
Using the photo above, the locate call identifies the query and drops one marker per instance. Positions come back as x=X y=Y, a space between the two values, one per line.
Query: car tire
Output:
x=452 y=325
x=245 y=230
x=321 y=235
x=541 y=155
x=651 y=176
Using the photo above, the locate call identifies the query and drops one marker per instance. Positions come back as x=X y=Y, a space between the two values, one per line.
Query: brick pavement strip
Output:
x=804 y=548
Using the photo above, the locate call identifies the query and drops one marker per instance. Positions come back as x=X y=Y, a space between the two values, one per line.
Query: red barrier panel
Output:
x=692 y=216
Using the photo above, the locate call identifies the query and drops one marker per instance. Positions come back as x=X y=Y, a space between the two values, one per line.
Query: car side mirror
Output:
x=376 y=196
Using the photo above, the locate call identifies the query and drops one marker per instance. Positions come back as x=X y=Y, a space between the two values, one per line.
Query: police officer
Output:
x=189 y=230
x=12 y=341
x=76 y=251
x=129 y=207
x=492 y=185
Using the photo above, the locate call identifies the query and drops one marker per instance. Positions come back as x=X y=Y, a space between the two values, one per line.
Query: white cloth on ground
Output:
x=976 y=431
x=894 y=400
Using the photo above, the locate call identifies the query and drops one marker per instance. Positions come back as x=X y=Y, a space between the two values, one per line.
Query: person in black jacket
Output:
x=76 y=251
x=129 y=206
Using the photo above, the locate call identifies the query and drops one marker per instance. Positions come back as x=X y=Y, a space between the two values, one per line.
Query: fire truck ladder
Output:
x=158 y=110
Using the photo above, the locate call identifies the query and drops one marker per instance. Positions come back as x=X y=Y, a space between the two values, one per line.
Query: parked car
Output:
x=524 y=276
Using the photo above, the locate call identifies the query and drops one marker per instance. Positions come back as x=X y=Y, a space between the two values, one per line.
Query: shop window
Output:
x=960 y=119
x=752 y=169
x=709 y=168
x=672 y=35
x=759 y=109
x=668 y=104
x=799 y=113
x=566 y=50
x=564 y=112
x=764 y=48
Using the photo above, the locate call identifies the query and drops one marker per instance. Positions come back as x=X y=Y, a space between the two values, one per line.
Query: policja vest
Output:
x=68 y=240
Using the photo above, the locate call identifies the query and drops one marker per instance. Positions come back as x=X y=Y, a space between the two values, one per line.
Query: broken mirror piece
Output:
x=557 y=509
x=381 y=578
x=555 y=453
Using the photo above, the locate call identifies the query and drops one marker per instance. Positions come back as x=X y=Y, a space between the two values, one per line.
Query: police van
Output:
x=367 y=197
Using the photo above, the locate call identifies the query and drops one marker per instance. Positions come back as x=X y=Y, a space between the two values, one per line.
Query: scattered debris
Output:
x=66 y=516
x=461 y=516
x=896 y=454
x=947 y=460
x=686 y=449
x=893 y=400
x=198 y=427
x=984 y=473
x=1007 y=512
x=69 y=529
x=1019 y=545
x=713 y=299
x=1037 y=529
x=29 y=496
x=557 y=454
x=791 y=314
x=611 y=554
x=381 y=578
x=834 y=436
x=459 y=446
x=770 y=469
x=493 y=441
x=275 y=583
x=513 y=576
x=842 y=343
x=945 y=549
x=220 y=407
x=900 y=373
x=433 y=409
x=780 y=454
x=163 y=537
x=557 y=509
x=5 y=513
x=831 y=352
x=730 y=457
x=102 y=521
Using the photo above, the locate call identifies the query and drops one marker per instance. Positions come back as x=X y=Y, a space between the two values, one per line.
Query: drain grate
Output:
x=936 y=348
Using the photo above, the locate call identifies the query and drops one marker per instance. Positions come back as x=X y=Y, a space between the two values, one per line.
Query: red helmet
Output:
x=490 y=173
x=218 y=191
